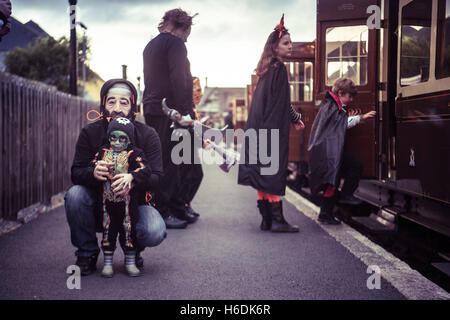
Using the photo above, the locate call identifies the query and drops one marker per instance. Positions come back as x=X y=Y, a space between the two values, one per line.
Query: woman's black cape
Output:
x=269 y=110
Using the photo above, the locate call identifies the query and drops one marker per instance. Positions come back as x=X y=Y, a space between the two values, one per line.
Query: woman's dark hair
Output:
x=178 y=18
x=269 y=55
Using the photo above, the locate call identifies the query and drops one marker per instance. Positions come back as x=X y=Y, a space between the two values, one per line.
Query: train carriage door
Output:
x=300 y=68
x=346 y=47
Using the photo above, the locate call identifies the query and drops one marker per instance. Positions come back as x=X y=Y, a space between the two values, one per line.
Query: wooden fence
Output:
x=39 y=129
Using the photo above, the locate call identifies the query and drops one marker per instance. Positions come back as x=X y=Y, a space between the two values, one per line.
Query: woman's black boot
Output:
x=266 y=223
x=279 y=224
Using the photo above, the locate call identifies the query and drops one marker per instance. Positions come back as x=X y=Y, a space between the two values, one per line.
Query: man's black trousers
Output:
x=167 y=197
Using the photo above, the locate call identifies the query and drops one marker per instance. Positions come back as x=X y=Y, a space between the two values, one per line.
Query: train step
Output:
x=445 y=255
x=384 y=221
x=374 y=224
x=427 y=223
x=444 y=267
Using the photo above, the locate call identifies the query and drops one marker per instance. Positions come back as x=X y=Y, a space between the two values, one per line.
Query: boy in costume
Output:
x=120 y=211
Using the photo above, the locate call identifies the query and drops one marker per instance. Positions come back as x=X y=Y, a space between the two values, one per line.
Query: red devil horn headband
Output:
x=280 y=28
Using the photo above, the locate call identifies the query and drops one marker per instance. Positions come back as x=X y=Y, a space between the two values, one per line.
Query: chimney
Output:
x=124 y=71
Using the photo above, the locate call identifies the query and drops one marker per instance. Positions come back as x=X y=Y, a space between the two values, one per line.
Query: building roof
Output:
x=21 y=35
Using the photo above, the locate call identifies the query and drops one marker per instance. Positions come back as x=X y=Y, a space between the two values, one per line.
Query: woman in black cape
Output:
x=270 y=112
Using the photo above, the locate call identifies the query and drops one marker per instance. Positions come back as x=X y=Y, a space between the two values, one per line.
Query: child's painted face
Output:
x=119 y=140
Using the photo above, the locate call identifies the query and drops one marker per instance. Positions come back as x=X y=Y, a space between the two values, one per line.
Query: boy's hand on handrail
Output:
x=369 y=115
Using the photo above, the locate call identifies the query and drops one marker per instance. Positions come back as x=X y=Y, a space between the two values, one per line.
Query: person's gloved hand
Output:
x=122 y=183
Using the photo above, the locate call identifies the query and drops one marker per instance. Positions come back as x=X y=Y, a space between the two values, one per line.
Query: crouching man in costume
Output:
x=83 y=201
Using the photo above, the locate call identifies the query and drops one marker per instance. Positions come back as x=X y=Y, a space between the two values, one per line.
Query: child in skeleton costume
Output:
x=119 y=212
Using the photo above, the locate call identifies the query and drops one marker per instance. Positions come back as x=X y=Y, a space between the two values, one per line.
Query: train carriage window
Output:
x=346 y=54
x=415 y=43
x=443 y=40
x=300 y=76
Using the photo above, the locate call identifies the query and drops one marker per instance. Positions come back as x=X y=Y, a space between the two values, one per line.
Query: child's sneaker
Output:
x=130 y=265
x=108 y=271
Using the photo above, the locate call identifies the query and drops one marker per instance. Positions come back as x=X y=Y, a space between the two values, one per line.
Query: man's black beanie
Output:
x=122 y=124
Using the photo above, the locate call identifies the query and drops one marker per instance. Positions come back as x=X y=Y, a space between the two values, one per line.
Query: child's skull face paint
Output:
x=119 y=140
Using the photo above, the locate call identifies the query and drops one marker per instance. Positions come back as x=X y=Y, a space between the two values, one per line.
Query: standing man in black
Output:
x=167 y=75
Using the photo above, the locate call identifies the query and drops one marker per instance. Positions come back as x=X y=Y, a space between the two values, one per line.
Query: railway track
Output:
x=422 y=249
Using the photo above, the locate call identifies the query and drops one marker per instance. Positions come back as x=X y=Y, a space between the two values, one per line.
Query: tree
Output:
x=46 y=60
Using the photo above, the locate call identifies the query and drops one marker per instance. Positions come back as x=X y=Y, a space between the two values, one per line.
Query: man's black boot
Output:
x=266 y=222
x=174 y=223
x=87 y=264
x=184 y=215
x=279 y=224
x=191 y=211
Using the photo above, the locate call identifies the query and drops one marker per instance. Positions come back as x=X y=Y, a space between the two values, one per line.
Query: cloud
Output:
x=225 y=43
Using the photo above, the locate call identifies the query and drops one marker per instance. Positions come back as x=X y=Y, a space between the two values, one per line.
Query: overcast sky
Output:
x=225 y=43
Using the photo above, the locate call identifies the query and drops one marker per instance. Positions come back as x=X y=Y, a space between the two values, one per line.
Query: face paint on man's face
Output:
x=119 y=140
x=116 y=115
x=118 y=105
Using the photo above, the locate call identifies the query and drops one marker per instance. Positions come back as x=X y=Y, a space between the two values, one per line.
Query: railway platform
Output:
x=224 y=255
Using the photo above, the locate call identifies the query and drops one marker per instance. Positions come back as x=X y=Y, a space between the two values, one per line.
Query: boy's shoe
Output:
x=132 y=270
x=130 y=265
x=325 y=218
x=87 y=264
x=139 y=260
x=107 y=271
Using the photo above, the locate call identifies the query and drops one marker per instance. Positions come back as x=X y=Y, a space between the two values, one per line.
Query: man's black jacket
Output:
x=167 y=75
x=93 y=136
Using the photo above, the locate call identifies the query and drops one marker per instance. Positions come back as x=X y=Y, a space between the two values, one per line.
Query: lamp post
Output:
x=83 y=58
x=73 y=48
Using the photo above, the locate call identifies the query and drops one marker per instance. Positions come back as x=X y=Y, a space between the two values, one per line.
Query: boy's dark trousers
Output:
x=350 y=171
x=116 y=211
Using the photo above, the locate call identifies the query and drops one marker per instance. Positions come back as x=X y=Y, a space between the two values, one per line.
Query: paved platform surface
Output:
x=223 y=256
